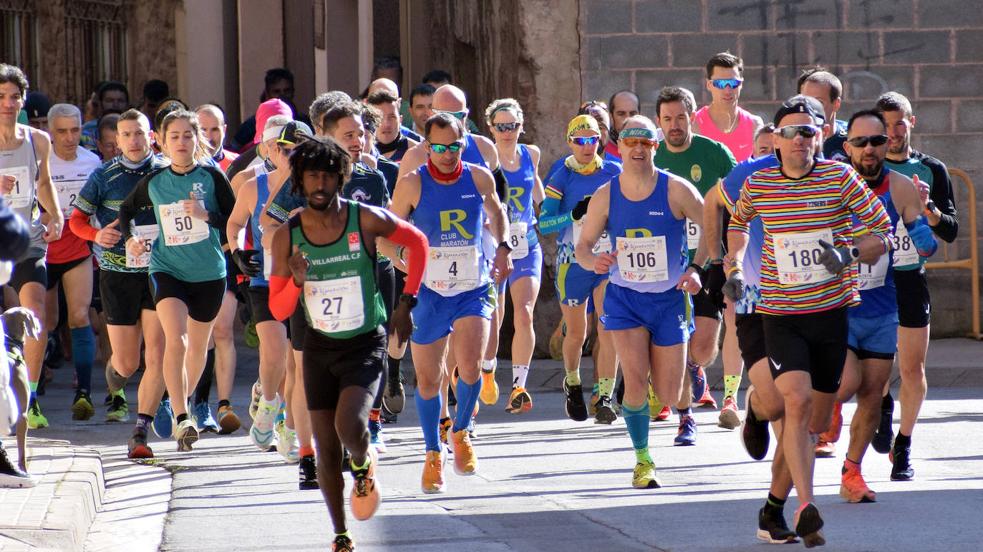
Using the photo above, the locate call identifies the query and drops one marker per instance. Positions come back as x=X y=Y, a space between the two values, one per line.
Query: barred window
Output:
x=19 y=37
x=95 y=35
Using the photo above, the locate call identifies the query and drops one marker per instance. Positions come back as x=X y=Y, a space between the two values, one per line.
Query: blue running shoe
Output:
x=203 y=418
x=375 y=436
x=164 y=420
x=687 y=432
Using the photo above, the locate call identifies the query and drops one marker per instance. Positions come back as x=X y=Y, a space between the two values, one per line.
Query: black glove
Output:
x=835 y=259
x=733 y=288
x=248 y=262
x=714 y=283
x=580 y=209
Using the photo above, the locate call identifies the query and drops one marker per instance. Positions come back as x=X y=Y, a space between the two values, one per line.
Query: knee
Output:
x=222 y=333
x=78 y=316
x=798 y=403
x=523 y=316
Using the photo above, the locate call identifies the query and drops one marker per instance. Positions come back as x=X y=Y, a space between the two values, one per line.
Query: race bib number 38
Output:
x=797 y=255
x=335 y=305
x=180 y=228
x=904 y=251
x=643 y=259
x=452 y=268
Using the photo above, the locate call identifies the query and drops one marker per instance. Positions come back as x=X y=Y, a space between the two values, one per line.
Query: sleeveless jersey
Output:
x=739 y=141
x=341 y=297
x=650 y=240
x=22 y=164
x=262 y=196
x=471 y=153
x=519 y=203
x=878 y=296
x=910 y=167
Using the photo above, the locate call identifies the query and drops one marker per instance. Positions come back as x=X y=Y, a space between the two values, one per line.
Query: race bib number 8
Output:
x=643 y=259
x=181 y=228
x=22 y=195
x=693 y=234
x=452 y=268
x=335 y=305
x=872 y=276
x=904 y=251
x=797 y=255
x=518 y=240
x=603 y=244
x=146 y=234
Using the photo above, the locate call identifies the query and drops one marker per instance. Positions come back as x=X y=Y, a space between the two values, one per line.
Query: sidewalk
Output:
x=57 y=513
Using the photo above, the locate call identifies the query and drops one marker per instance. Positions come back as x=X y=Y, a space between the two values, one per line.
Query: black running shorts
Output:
x=914 y=309
x=703 y=306
x=751 y=338
x=814 y=343
x=57 y=271
x=203 y=299
x=125 y=295
x=32 y=269
x=331 y=365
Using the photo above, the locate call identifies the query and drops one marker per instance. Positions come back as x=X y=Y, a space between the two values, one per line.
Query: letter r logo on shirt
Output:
x=454 y=217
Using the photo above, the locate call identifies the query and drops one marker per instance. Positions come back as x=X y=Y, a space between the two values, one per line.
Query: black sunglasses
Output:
x=876 y=141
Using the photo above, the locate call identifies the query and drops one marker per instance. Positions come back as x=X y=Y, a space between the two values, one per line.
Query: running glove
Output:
x=248 y=261
x=580 y=209
x=715 y=280
x=835 y=259
x=733 y=288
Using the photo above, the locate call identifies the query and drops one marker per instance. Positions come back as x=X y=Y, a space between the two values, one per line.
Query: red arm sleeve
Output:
x=283 y=296
x=80 y=226
x=417 y=248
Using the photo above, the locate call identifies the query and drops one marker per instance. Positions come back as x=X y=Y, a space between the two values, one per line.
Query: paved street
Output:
x=545 y=483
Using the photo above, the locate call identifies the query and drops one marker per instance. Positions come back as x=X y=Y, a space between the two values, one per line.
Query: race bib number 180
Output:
x=180 y=228
x=797 y=255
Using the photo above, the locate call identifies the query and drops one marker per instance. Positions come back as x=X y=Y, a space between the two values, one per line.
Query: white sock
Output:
x=519 y=374
x=488 y=366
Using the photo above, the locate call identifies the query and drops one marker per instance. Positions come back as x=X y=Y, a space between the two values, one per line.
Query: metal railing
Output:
x=970 y=263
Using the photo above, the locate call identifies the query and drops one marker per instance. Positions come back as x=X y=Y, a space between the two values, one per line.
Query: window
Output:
x=18 y=37
x=95 y=35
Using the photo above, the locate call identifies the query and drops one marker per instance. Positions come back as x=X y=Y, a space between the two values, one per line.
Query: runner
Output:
x=421 y=106
x=392 y=143
x=623 y=104
x=106 y=144
x=819 y=83
x=568 y=193
x=26 y=184
x=191 y=203
x=723 y=120
x=702 y=162
x=124 y=286
x=344 y=348
x=213 y=126
x=449 y=200
x=764 y=144
x=805 y=284
x=646 y=307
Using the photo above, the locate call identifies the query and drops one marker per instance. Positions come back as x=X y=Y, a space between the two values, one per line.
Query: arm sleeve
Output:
x=80 y=226
x=138 y=199
x=921 y=235
x=501 y=183
x=225 y=198
x=941 y=194
x=408 y=236
x=283 y=296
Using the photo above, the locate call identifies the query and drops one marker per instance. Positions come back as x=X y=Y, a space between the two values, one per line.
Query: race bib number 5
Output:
x=180 y=228
x=643 y=259
x=452 y=268
x=146 y=234
x=692 y=235
x=335 y=305
x=797 y=255
x=603 y=244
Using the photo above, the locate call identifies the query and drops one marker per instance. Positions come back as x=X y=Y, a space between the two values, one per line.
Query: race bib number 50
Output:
x=797 y=256
x=180 y=228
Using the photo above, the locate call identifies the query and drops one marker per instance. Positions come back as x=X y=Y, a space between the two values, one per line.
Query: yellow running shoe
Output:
x=519 y=401
x=489 y=388
x=465 y=460
x=433 y=472
x=655 y=405
x=644 y=476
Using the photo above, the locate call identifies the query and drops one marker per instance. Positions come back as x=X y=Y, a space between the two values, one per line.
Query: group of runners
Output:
x=794 y=248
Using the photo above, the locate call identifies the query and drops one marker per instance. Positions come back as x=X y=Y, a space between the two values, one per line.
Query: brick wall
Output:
x=929 y=50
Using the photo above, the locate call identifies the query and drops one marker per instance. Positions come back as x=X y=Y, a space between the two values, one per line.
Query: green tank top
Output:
x=341 y=297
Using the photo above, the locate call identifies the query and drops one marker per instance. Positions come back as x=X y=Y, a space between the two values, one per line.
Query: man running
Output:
x=391 y=142
x=213 y=126
x=724 y=120
x=623 y=104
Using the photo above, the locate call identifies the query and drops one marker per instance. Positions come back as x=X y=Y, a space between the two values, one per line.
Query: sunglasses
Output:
x=862 y=141
x=441 y=148
x=585 y=140
x=726 y=83
x=507 y=127
x=634 y=141
x=791 y=131
x=459 y=115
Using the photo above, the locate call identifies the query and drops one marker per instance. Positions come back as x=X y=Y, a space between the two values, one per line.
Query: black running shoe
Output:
x=605 y=411
x=885 y=433
x=575 y=406
x=901 y=469
x=754 y=432
x=808 y=526
x=12 y=477
x=137 y=447
x=772 y=527
x=342 y=544
x=308 y=473
x=394 y=397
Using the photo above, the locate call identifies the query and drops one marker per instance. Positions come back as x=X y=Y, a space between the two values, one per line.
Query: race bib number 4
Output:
x=518 y=240
x=603 y=244
x=146 y=234
x=643 y=259
x=22 y=195
x=904 y=251
x=872 y=276
x=452 y=268
x=335 y=305
x=797 y=255
x=68 y=190
x=180 y=228
x=693 y=234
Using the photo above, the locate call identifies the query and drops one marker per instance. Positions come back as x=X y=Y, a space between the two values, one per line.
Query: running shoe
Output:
x=35 y=420
x=394 y=399
x=825 y=449
x=444 y=428
x=375 y=436
x=808 y=526
x=686 y=436
x=853 y=488
x=643 y=477
x=592 y=402
x=575 y=407
x=342 y=544
x=137 y=447
x=885 y=432
x=473 y=426
x=433 y=471
x=663 y=414
x=729 y=419
x=186 y=435
x=465 y=460
x=261 y=433
x=164 y=420
x=701 y=391
x=82 y=408
x=754 y=433
x=308 y=473
x=489 y=388
x=286 y=443
x=365 y=495
x=228 y=420
x=519 y=401
x=12 y=477
x=605 y=413
x=204 y=420
x=707 y=401
x=255 y=395
x=901 y=469
x=118 y=410
x=772 y=527
x=832 y=434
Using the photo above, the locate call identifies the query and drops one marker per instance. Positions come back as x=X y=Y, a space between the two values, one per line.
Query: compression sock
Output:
x=393 y=368
x=34 y=391
x=519 y=374
x=637 y=422
x=731 y=384
x=143 y=422
x=605 y=387
x=902 y=441
x=83 y=355
x=467 y=397
x=203 y=390
x=429 y=412
x=306 y=451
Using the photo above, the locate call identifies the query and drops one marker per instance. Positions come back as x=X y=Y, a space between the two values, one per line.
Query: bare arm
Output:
x=713 y=214
x=46 y=194
x=595 y=221
x=244 y=206
x=686 y=201
x=413 y=159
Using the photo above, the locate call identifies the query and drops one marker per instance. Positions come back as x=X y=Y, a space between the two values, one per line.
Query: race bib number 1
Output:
x=335 y=305
x=180 y=228
x=22 y=195
x=643 y=259
x=797 y=256
x=518 y=240
x=872 y=276
x=452 y=268
x=147 y=235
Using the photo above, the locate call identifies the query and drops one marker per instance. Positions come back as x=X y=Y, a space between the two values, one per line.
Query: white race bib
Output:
x=335 y=305
x=452 y=268
x=180 y=228
x=797 y=256
x=518 y=240
x=643 y=259
x=147 y=235
x=693 y=234
x=872 y=276
x=905 y=253
x=603 y=244
x=22 y=195
x=67 y=191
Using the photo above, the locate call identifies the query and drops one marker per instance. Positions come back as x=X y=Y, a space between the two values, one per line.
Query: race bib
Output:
x=904 y=250
x=693 y=234
x=518 y=240
x=146 y=234
x=797 y=256
x=180 y=228
x=452 y=268
x=67 y=191
x=643 y=259
x=872 y=276
x=603 y=244
x=267 y=264
x=22 y=195
x=335 y=305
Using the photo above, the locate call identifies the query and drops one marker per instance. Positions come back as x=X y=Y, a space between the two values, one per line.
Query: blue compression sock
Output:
x=83 y=354
x=637 y=421
x=429 y=412
x=467 y=397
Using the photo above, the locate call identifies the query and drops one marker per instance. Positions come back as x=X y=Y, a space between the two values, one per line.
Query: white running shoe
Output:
x=286 y=443
x=261 y=433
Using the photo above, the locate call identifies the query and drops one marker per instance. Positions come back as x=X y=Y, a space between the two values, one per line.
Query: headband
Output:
x=637 y=132
x=583 y=122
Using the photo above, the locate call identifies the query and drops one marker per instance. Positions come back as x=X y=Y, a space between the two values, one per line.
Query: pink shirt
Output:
x=739 y=141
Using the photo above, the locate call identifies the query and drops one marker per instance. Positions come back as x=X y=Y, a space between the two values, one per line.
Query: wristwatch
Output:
x=410 y=300
x=929 y=208
x=506 y=245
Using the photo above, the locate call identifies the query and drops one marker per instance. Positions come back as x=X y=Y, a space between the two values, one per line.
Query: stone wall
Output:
x=929 y=50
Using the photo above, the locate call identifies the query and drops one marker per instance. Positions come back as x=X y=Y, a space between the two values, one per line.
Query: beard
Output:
x=318 y=205
x=868 y=171
x=901 y=148
x=676 y=141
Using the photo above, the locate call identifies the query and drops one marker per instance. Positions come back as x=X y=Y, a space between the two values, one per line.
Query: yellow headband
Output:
x=583 y=122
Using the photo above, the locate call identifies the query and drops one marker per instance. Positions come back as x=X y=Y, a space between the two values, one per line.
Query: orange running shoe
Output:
x=365 y=496
x=832 y=433
x=433 y=472
x=853 y=488
x=465 y=460
x=825 y=449
x=489 y=388
x=519 y=401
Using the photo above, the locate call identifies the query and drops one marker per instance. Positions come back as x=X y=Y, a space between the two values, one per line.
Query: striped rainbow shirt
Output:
x=821 y=201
